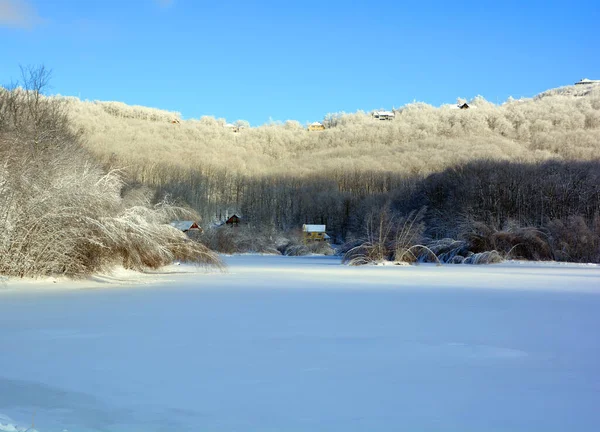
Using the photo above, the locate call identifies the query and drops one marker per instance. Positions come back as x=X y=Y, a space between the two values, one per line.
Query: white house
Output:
x=384 y=115
x=316 y=126
x=587 y=81
x=232 y=127
x=312 y=232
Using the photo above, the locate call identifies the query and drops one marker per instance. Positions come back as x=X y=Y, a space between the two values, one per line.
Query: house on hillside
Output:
x=233 y=221
x=316 y=126
x=232 y=127
x=587 y=81
x=384 y=115
x=314 y=233
x=464 y=106
x=187 y=226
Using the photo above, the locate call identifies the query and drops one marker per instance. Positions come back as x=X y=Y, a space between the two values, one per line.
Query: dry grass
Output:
x=60 y=213
x=388 y=238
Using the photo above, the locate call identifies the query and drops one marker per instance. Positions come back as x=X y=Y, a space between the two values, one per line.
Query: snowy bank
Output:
x=305 y=344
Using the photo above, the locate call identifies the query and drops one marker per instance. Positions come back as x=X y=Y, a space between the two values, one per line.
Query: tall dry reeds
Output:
x=388 y=237
x=60 y=213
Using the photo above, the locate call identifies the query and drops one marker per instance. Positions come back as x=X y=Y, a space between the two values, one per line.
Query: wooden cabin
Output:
x=314 y=233
x=187 y=226
x=233 y=221
x=464 y=106
x=316 y=126
x=384 y=115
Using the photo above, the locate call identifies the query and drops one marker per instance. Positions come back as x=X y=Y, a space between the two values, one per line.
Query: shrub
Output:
x=388 y=238
x=60 y=213
x=488 y=257
x=301 y=249
x=241 y=239
x=574 y=239
x=522 y=243
x=447 y=250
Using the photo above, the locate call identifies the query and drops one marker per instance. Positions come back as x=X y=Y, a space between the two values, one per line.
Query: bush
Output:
x=295 y=248
x=60 y=213
x=447 y=251
x=517 y=243
x=574 y=239
x=488 y=257
x=248 y=239
x=241 y=239
x=387 y=238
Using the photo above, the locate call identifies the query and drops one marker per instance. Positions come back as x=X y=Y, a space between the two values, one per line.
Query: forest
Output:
x=516 y=180
x=520 y=177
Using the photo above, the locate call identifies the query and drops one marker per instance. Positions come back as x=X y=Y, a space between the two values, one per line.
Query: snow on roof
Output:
x=587 y=81
x=316 y=124
x=457 y=107
x=183 y=225
x=313 y=228
x=384 y=113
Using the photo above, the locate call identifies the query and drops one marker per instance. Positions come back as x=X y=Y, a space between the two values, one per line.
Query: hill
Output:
x=520 y=178
x=559 y=124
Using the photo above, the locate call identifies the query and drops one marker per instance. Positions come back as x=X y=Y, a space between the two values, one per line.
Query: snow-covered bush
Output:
x=61 y=213
x=388 y=238
x=298 y=248
x=575 y=239
x=240 y=239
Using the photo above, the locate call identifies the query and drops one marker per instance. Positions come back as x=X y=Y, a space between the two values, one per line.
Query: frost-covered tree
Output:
x=60 y=212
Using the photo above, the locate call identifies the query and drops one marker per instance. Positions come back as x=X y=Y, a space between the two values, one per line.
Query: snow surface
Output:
x=304 y=344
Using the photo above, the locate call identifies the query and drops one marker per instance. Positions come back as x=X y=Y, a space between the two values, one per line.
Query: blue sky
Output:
x=299 y=59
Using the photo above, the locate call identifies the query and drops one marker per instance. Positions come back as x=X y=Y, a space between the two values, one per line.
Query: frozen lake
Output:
x=304 y=344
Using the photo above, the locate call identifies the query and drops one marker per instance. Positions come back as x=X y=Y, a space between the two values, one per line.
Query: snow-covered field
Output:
x=304 y=344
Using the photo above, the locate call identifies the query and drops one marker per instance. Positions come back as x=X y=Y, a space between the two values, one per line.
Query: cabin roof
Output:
x=313 y=228
x=587 y=81
x=184 y=225
x=232 y=218
x=384 y=113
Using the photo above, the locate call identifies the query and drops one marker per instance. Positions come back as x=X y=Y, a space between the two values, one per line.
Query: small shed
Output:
x=312 y=232
x=187 y=226
x=464 y=106
x=384 y=115
x=233 y=221
x=316 y=126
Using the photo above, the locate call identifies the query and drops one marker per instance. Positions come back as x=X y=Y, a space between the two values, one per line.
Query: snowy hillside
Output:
x=561 y=123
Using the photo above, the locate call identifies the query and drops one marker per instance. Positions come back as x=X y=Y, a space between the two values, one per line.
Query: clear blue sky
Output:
x=256 y=60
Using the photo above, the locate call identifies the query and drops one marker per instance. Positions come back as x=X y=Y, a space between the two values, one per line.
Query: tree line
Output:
x=483 y=197
x=104 y=179
x=561 y=124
